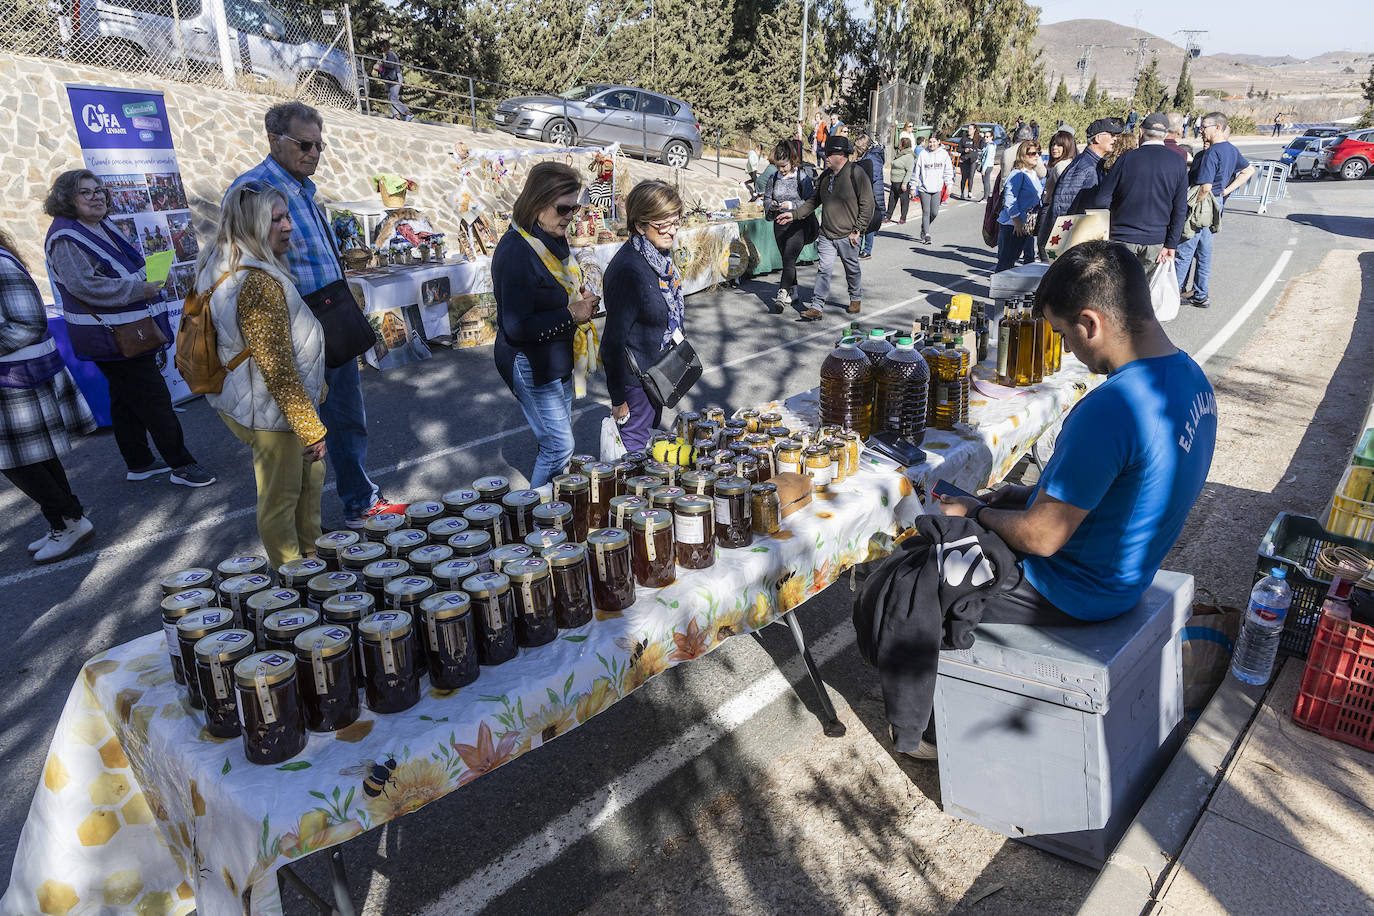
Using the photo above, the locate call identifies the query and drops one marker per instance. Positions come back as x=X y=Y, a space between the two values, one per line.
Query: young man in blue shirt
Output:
x=1219 y=169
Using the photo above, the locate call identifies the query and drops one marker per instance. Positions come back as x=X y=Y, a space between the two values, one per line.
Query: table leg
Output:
x=338 y=880
x=830 y=722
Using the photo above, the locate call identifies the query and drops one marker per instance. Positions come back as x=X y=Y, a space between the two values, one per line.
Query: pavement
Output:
x=711 y=789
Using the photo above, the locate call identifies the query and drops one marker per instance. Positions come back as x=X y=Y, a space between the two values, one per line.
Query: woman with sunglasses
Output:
x=540 y=301
x=1020 y=202
x=101 y=284
x=644 y=305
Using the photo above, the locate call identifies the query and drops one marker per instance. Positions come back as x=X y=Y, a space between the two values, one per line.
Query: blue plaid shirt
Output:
x=313 y=257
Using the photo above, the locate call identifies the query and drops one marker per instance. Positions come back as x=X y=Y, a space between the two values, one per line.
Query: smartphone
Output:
x=948 y=490
x=898 y=449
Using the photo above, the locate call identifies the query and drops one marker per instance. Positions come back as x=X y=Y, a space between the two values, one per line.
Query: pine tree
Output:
x=1368 y=87
x=1061 y=94
x=1090 y=97
x=1149 y=91
x=1183 y=93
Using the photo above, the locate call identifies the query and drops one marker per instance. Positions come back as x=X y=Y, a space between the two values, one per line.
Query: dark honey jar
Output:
x=380 y=525
x=636 y=457
x=763 y=456
x=423 y=559
x=641 y=485
x=455 y=501
x=518 y=515
x=270 y=712
x=402 y=541
x=173 y=608
x=572 y=594
x=703 y=462
x=601 y=480
x=348 y=610
x=724 y=469
x=703 y=446
x=723 y=455
x=486 y=517
x=326 y=585
x=441 y=529
x=493 y=608
x=353 y=559
x=663 y=471
x=327 y=546
x=535 y=623
x=420 y=514
x=622 y=507
x=214 y=657
x=472 y=545
x=576 y=462
x=179 y=581
x=391 y=670
x=545 y=539
x=260 y=604
x=765 y=508
x=449 y=574
x=328 y=677
x=555 y=514
x=698 y=483
x=491 y=489
x=280 y=628
x=576 y=490
x=624 y=470
x=235 y=591
x=709 y=430
x=376 y=576
x=503 y=555
x=655 y=560
x=748 y=468
x=405 y=594
x=450 y=637
x=787 y=457
x=663 y=497
x=296 y=573
x=732 y=430
x=241 y=566
x=613 y=580
x=694 y=532
x=191 y=629
x=733 y=513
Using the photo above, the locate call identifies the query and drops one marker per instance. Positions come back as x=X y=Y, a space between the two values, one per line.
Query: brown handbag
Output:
x=136 y=338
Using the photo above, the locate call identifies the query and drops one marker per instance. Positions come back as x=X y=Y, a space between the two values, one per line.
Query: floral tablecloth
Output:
x=140 y=810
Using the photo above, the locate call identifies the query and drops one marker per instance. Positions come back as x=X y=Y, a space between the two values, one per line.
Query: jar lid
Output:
x=445 y=605
x=405 y=539
x=383 y=522
x=778 y=432
x=493 y=487
x=755 y=440
x=273 y=667
x=470 y=543
x=331 y=641
x=183 y=579
x=555 y=511
x=441 y=529
x=816 y=450
x=500 y=556
x=565 y=555
x=736 y=423
x=748 y=413
x=298 y=572
x=530 y=569
x=383 y=571
x=620 y=508
x=332 y=583
x=625 y=468
x=329 y=545
x=662 y=497
x=241 y=566
x=201 y=623
x=689 y=416
x=483 y=515
x=660 y=469
x=759 y=489
x=836 y=446
x=850 y=436
x=181 y=603
x=545 y=539
x=745 y=463
x=423 y=511
x=454 y=571
x=356 y=556
x=697 y=481
x=224 y=647
x=570 y=483
x=486 y=585
x=732 y=486
x=520 y=499
x=348 y=607
x=456 y=501
x=264 y=603
x=641 y=485
x=598 y=470
x=409 y=588
x=638 y=456
x=281 y=624
x=424 y=558
x=789 y=445
x=768 y=419
x=692 y=505
x=245 y=585
x=374 y=626
x=576 y=462
x=722 y=471
x=609 y=538
x=702 y=445
x=652 y=520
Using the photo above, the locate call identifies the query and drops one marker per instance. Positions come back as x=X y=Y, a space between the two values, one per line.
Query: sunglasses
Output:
x=566 y=209
x=667 y=225
x=305 y=145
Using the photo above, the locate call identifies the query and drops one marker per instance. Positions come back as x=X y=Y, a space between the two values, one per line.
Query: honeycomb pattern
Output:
x=91 y=729
x=137 y=811
x=108 y=789
x=55 y=775
x=154 y=904
x=122 y=888
x=98 y=828
x=112 y=755
x=56 y=898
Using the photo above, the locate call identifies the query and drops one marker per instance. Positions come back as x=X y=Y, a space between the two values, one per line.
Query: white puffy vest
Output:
x=245 y=397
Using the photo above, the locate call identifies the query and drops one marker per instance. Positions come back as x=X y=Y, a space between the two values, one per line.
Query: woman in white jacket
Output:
x=274 y=349
x=934 y=169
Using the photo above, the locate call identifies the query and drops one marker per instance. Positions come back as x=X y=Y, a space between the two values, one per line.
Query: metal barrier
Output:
x=1268 y=184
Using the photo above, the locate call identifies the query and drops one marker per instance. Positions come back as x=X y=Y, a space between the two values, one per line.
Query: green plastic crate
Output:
x=1364 y=452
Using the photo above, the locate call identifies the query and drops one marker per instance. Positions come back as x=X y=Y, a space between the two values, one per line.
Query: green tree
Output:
x=1090 y=94
x=1061 y=94
x=1368 y=87
x=1149 y=91
x=1183 y=93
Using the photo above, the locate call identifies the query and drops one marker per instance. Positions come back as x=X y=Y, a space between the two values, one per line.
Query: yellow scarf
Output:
x=586 y=345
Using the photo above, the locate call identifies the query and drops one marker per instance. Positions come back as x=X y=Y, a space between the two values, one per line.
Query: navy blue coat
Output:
x=532 y=314
x=636 y=317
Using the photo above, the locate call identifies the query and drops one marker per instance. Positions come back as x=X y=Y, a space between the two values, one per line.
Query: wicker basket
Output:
x=393 y=201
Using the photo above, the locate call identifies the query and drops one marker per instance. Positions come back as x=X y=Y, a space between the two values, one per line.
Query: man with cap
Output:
x=845 y=194
x=1074 y=189
x=1147 y=193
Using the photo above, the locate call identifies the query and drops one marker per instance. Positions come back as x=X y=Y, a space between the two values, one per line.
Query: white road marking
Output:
x=1219 y=339
x=594 y=811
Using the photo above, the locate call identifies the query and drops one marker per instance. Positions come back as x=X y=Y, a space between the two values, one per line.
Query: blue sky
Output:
x=1237 y=26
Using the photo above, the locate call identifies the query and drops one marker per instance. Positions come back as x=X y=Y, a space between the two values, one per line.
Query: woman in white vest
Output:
x=270 y=400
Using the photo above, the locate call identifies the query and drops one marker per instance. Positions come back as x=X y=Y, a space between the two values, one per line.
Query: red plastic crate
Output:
x=1336 y=696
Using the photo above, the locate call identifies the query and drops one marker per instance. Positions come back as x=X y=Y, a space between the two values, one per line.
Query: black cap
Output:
x=838 y=144
x=1157 y=121
x=1105 y=125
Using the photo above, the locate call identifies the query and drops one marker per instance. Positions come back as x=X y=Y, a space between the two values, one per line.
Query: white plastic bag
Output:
x=1164 y=290
x=611 y=446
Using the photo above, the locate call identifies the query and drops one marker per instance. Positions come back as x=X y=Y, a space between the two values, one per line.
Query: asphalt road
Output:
x=441 y=423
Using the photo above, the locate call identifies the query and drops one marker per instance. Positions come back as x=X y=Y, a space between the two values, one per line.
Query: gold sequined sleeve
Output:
x=266 y=326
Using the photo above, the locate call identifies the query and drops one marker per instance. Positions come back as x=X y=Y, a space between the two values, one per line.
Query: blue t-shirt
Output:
x=1217 y=165
x=1135 y=453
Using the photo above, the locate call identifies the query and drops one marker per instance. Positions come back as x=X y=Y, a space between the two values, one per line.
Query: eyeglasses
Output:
x=667 y=225
x=93 y=193
x=305 y=145
x=566 y=209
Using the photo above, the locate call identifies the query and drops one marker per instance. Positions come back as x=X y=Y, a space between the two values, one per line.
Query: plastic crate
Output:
x=1292 y=543
x=1364 y=452
x=1336 y=695
x=1352 y=505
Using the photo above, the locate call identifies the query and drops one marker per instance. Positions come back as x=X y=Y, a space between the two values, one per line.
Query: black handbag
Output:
x=347 y=333
x=670 y=377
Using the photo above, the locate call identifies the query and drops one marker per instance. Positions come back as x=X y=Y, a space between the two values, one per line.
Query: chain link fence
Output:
x=283 y=48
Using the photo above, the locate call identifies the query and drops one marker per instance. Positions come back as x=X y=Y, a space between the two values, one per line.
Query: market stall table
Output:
x=759 y=232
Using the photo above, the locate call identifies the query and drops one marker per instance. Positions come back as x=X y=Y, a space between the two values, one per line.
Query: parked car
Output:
x=1322 y=132
x=265 y=43
x=1351 y=155
x=641 y=122
x=1303 y=155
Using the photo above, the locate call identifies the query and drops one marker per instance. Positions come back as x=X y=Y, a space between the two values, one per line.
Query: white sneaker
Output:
x=926 y=751
x=61 y=542
x=37 y=545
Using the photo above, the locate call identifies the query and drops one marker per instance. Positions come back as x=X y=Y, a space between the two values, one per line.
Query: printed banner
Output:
x=126 y=140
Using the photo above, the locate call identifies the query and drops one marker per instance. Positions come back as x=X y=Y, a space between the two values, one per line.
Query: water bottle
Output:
x=1253 y=660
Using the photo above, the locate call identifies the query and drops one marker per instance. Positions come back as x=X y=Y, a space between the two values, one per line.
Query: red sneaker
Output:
x=377 y=507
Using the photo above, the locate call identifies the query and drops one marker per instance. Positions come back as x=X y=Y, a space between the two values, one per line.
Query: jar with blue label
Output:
x=450 y=637
x=391 y=670
x=329 y=688
x=270 y=712
x=214 y=657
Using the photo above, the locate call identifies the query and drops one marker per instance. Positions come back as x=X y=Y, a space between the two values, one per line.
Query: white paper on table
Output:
x=995 y=391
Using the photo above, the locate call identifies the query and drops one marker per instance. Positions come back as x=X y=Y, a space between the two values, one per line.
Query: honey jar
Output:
x=493 y=608
x=724 y=469
x=449 y=574
x=554 y=514
x=769 y=420
x=777 y=433
x=839 y=459
x=622 y=507
x=576 y=462
x=450 y=637
x=624 y=470
x=613 y=584
x=191 y=629
x=517 y=509
x=241 y=566
x=214 y=657
x=601 y=487
x=174 y=607
x=354 y=558
x=280 y=628
x=663 y=497
x=733 y=514
x=636 y=457
x=817 y=464
x=685 y=426
x=406 y=592
x=766 y=508
x=755 y=440
x=260 y=604
x=420 y=514
x=376 y=576
x=698 y=483
x=702 y=446
x=750 y=418
x=391 y=671
x=655 y=559
x=694 y=532
x=327 y=546
x=235 y=591
x=763 y=457
x=401 y=542
x=296 y=573
x=854 y=445
x=455 y=501
x=327 y=585
x=269 y=700
x=441 y=529
x=663 y=471
x=748 y=468
x=714 y=414
x=788 y=457
x=472 y=545
x=733 y=429
x=641 y=485
x=503 y=555
x=535 y=623
x=348 y=610
x=328 y=680
x=179 y=581
x=423 y=559
x=380 y=525
x=491 y=489
x=572 y=595
x=545 y=539
x=576 y=490
x=486 y=517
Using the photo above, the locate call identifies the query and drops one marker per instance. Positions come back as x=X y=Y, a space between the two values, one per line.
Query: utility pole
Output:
x=1189 y=42
x=1084 y=65
x=1139 y=52
x=801 y=93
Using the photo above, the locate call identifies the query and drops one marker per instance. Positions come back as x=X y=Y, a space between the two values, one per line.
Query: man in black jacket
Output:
x=1147 y=193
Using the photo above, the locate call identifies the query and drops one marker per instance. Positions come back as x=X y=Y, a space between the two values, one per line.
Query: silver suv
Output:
x=641 y=122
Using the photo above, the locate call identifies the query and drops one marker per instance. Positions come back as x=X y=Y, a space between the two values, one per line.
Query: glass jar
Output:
x=423 y=559
x=535 y=623
x=327 y=546
x=763 y=457
x=715 y=414
x=261 y=604
x=724 y=469
x=655 y=560
x=768 y=420
x=702 y=447
x=455 y=501
x=420 y=514
x=517 y=509
x=348 y=610
x=854 y=446
x=326 y=585
x=179 y=581
x=449 y=575
x=755 y=440
x=486 y=517
x=733 y=513
x=576 y=463
x=191 y=629
x=491 y=489
x=269 y=699
x=601 y=480
x=472 y=545
x=624 y=470
x=817 y=465
x=576 y=490
x=213 y=658
x=733 y=429
x=685 y=426
x=402 y=541
x=747 y=467
x=613 y=583
x=450 y=639
x=698 y=483
x=235 y=591
x=441 y=529
x=502 y=555
x=545 y=539
x=572 y=595
x=694 y=532
x=788 y=457
x=353 y=559
x=663 y=471
x=406 y=593
x=174 y=607
x=494 y=608
x=241 y=566
x=377 y=575
x=554 y=514
x=839 y=459
x=765 y=507
x=750 y=418
x=709 y=429
x=329 y=684
x=280 y=628
x=622 y=507
x=777 y=433
x=296 y=573
x=380 y=525
x=636 y=457
x=663 y=497
x=641 y=485
x=391 y=671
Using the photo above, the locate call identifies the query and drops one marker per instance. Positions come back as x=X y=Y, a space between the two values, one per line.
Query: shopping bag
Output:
x=611 y=447
x=1075 y=229
x=1208 y=638
x=1164 y=290
x=944 y=194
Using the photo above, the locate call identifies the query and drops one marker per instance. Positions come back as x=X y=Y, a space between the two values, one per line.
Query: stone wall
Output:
x=219 y=133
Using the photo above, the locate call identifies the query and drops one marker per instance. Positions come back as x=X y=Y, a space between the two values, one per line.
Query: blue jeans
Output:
x=1010 y=245
x=1201 y=245
x=548 y=410
x=866 y=243
x=345 y=419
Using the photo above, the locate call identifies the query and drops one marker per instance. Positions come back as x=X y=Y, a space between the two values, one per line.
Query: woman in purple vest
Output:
x=41 y=410
x=101 y=283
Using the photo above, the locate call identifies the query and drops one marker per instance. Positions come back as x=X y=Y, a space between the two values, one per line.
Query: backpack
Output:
x=197 y=353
